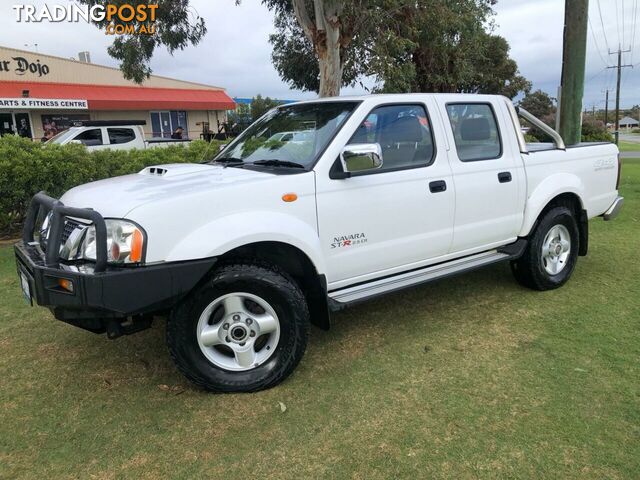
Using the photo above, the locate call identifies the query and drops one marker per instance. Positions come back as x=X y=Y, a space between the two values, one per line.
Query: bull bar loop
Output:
x=59 y=211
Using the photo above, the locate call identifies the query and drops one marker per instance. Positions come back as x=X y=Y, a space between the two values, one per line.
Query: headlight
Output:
x=125 y=242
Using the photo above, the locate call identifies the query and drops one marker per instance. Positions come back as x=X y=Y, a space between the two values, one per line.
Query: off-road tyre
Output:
x=529 y=269
x=258 y=278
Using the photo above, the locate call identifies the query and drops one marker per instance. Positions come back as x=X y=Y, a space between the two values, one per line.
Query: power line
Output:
x=604 y=32
x=623 y=23
x=595 y=41
x=634 y=16
x=618 y=24
x=597 y=74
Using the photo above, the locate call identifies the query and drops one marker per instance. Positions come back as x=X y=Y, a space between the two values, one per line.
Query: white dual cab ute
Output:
x=244 y=252
x=111 y=134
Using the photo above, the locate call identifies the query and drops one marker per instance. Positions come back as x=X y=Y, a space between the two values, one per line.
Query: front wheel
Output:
x=552 y=252
x=244 y=330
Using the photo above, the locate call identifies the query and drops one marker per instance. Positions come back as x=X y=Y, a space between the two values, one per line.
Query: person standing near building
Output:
x=48 y=135
x=24 y=130
x=177 y=134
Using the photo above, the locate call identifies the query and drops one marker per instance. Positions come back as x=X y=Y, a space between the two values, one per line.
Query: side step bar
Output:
x=341 y=298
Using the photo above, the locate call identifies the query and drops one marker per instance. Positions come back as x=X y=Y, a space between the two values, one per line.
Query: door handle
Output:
x=438 y=186
x=504 y=177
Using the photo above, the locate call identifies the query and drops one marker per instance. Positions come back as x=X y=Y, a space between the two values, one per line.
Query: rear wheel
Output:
x=552 y=252
x=244 y=330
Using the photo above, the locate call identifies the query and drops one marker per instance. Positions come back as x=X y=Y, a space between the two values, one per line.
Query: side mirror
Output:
x=360 y=157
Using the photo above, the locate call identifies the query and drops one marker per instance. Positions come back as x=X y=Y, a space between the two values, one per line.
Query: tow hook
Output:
x=117 y=328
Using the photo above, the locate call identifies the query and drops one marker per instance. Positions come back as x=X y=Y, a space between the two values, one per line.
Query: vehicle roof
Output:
x=398 y=97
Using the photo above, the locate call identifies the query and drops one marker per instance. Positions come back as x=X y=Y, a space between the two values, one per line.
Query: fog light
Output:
x=65 y=284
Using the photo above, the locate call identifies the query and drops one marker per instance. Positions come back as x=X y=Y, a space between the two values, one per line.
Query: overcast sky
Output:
x=236 y=53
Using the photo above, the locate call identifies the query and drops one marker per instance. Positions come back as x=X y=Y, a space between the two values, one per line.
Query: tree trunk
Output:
x=330 y=72
x=324 y=34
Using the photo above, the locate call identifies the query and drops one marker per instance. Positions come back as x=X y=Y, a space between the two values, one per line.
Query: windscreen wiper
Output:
x=229 y=161
x=277 y=163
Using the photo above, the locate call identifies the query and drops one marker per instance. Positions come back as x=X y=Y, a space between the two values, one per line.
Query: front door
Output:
x=382 y=221
x=486 y=175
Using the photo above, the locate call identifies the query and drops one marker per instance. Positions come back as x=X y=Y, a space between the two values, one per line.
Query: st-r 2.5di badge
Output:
x=349 y=240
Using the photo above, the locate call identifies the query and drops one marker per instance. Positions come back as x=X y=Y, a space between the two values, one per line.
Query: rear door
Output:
x=123 y=138
x=486 y=172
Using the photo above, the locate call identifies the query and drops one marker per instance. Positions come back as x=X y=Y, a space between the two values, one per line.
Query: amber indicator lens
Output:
x=65 y=284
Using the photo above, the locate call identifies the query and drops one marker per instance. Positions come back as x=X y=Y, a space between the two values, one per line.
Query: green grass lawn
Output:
x=629 y=146
x=471 y=377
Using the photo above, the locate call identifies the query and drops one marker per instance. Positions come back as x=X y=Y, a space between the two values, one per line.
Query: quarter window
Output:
x=403 y=132
x=120 y=135
x=475 y=131
x=90 y=138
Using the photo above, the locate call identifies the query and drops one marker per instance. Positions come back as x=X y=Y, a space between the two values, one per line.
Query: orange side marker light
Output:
x=66 y=284
x=136 y=246
x=289 y=197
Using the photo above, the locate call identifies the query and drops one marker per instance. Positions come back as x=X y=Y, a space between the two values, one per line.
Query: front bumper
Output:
x=114 y=293
x=614 y=209
x=100 y=295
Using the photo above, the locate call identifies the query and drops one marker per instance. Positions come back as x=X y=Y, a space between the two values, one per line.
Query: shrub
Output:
x=27 y=167
x=595 y=131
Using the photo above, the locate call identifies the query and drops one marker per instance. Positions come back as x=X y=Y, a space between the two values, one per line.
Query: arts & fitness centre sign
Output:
x=44 y=103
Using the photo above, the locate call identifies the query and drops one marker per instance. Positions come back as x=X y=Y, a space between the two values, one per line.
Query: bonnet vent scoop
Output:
x=154 y=171
x=174 y=170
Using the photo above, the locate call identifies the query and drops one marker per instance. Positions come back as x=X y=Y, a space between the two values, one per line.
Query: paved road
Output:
x=630 y=137
x=629 y=154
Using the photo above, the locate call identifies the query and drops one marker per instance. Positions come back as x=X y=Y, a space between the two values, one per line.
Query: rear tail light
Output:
x=619 y=171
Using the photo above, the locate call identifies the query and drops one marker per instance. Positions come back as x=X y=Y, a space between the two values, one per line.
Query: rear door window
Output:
x=475 y=130
x=120 y=135
x=90 y=138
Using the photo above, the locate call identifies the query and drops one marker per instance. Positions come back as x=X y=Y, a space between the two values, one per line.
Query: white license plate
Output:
x=26 y=289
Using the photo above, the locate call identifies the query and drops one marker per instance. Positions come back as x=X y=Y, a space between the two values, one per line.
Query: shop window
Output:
x=120 y=135
x=56 y=123
x=164 y=123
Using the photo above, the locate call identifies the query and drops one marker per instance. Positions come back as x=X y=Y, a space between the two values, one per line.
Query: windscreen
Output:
x=293 y=133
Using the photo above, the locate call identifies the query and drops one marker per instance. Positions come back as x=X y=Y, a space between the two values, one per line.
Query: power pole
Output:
x=606 y=108
x=619 y=67
x=576 y=14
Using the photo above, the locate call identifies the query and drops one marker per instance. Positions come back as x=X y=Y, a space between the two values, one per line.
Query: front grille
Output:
x=69 y=227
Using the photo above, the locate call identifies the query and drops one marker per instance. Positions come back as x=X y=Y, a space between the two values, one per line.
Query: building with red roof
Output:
x=41 y=93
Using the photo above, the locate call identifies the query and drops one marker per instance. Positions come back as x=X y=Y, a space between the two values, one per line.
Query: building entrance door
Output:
x=12 y=123
x=23 y=124
x=6 y=123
